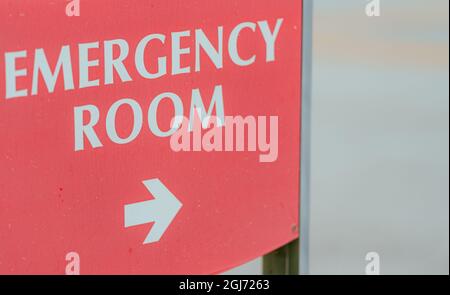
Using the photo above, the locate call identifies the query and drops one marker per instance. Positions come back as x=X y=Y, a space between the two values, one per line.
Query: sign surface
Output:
x=147 y=137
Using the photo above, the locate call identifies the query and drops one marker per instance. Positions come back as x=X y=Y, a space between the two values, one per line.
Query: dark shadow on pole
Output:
x=283 y=261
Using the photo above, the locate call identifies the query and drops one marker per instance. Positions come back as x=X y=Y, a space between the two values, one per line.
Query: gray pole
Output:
x=287 y=259
x=305 y=162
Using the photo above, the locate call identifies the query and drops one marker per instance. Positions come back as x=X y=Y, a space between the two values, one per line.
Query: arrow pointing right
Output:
x=162 y=210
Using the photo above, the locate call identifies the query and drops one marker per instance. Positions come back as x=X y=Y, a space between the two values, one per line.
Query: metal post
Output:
x=293 y=258
x=305 y=165
x=283 y=261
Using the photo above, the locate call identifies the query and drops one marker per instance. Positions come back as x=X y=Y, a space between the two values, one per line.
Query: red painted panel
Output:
x=55 y=199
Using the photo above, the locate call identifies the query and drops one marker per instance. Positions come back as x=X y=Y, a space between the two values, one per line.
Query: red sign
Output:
x=147 y=137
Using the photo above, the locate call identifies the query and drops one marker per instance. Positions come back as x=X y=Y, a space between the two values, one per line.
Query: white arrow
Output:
x=162 y=210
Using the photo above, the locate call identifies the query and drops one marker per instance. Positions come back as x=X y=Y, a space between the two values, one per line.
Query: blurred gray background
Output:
x=380 y=138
